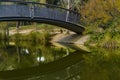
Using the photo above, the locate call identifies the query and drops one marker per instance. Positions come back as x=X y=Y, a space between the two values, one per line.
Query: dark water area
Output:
x=27 y=61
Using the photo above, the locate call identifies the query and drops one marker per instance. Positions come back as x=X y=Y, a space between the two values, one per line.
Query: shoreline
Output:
x=70 y=38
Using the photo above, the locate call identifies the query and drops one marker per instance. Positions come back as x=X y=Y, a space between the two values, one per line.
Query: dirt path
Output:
x=26 y=31
x=70 y=38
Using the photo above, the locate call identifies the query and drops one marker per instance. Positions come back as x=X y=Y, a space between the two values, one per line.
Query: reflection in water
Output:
x=39 y=62
x=26 y=55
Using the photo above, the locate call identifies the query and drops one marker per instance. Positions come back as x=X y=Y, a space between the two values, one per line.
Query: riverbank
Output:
x=57 y=37
x=78 y=41
x=71 y=38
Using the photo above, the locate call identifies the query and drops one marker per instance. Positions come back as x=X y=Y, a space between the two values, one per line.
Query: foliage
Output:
x=101 y=64
x=34 y=37
x=104 y=12
x=101 y=16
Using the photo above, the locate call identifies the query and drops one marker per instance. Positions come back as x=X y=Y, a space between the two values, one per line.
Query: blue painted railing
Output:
x=32 y=10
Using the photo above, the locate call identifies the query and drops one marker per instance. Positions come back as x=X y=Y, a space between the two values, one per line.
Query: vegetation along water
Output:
x=26 y=52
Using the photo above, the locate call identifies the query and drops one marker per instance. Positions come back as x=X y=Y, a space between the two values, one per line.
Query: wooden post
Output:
x=17 y=25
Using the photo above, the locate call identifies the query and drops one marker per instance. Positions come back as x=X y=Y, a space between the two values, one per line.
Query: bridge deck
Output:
x=14 y=11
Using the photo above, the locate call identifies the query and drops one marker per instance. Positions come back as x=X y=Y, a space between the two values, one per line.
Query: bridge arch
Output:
x=39 y=12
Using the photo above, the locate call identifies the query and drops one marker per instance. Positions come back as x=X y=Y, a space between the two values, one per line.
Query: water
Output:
x=27 y=61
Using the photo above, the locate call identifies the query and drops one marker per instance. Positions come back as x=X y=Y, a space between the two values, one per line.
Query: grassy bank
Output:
x=33 y=37
x=102 y=21
x=106 y=39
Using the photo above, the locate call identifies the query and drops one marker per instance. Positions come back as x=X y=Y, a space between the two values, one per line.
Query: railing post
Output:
x=68 y=7
x=67 y=16
x=32 y=10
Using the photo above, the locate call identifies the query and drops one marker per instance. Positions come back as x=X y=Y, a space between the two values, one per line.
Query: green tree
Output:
x=102 y=12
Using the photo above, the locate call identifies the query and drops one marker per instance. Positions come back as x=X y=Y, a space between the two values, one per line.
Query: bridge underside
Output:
x=67 y=25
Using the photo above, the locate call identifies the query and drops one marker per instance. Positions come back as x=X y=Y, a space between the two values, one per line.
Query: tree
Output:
x=101 y=12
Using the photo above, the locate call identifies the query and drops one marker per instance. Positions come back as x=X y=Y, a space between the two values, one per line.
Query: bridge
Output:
x=42 y=13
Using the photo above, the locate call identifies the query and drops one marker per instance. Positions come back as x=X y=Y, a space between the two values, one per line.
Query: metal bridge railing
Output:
x=37 y=10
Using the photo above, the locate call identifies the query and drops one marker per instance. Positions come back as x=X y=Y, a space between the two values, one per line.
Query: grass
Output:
x=35 y=26
x=34 y=37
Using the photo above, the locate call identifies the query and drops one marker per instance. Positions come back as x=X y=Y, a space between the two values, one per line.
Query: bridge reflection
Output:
x=64 y=61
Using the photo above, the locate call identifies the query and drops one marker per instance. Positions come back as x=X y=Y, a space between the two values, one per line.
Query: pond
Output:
x=27 y=61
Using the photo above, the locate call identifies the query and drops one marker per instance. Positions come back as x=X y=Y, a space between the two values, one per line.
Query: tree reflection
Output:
x=24 y=54
x=101 y=64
